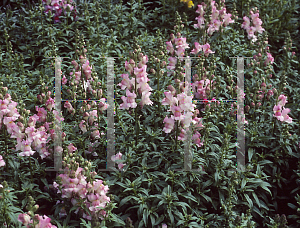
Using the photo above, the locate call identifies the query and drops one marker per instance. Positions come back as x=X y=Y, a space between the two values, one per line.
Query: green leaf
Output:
x=116 y=219
x=264 y=185
x=273 y=21
x=249 y=201
x=244 y=182
x=256 y=199
x=171 y=217
x=250 y=154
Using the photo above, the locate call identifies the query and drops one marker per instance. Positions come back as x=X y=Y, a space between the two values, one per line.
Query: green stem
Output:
x=177 y=121
x=6 y=150
x=30 y=169
x=136 y=124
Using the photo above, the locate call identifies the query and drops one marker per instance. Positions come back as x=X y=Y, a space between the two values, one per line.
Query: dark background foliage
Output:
x=213 y=199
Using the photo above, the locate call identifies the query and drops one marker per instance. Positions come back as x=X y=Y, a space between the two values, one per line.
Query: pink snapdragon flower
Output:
x=269 y=59
x=117 y=157
x=251 y=30
x=24 y=219
x=126 y=83
x=169 y=124
x=282 y=114
x=206 y=49
x=2 y=163
x=129 y=101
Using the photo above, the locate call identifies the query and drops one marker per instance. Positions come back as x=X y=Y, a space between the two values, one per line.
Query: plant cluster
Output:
x=155 y=115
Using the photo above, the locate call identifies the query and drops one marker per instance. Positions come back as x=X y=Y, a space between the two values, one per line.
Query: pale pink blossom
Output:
x=128 y=101
x=24 y=219
x=2 y=163
x=269 y=59
x=196 y=49
x=126 y=83
x=170 y=47
x=145 y=99
x=169 y=124
x=169 y=99
x=206 y=49
x=227 y=19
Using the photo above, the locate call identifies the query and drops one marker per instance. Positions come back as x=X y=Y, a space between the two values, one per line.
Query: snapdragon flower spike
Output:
x=44 y=221
x=218 y=18
x=251 y=30
x=58 y=5
x=117 y=157
x=36 y=138
x=143 y=87
x=280 y=114
x=94 y=195
x=269 y=59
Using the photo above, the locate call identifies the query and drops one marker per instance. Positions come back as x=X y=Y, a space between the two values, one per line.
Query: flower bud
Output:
x=263 y=86
x=252 y=104
x=195 y=77
x=177 y=81
x=163 y=64
x=152 y=71
x=247 y=108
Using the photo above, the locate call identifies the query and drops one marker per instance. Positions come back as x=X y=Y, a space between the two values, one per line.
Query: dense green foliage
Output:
x=149 y=191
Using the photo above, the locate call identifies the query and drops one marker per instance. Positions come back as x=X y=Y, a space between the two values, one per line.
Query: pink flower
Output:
x=214 y=14
x=181 y=42
x=128 y=101
x=71 y=148
x=282 y=100
x=180 y=52
x=187 y=119
x=227 y=19
x=196 y=139
x=200 y=10
x=95 y=134
x=145 y=99
x=103 y=105
x=197 y=48
x=206 y=49
x=42 y=114
x=177 y=112
x=24 y=219
x=2 y=163
x=169 y=99
x=24 y=146
x=182 y=136
x=285 y=117
x=118 y=156
x=246 y=23
x=82 y=126
x=68 y=106
x=120 y=166
x=126 y=82
x=170 y=47
x=269 y=59
x=141 y=74
x=143 y=87
x=216 y=24
x=50 y=104
x=172 y=63
x=169 y=124
x=45 y=222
